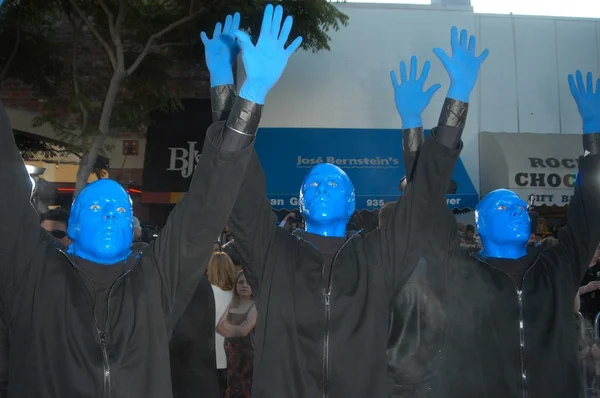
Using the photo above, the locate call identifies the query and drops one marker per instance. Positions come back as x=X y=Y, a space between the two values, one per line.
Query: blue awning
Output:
x=372 y=158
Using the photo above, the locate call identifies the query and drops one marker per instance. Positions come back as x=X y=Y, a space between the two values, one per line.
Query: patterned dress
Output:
x=240 y=359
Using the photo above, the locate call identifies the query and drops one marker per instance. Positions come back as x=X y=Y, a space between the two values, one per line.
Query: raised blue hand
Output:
x=265 y=61
x=222 y=50
x=463 y=66
x=410 y=98
x=588 y=101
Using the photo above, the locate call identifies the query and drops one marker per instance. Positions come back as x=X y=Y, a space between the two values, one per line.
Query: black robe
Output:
x=192 y=348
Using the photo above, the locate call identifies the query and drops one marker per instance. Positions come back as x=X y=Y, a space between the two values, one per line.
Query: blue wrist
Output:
x=459 y=93
x=412 y=122
x=253 y=93
x=221 y=77
x=591 y=126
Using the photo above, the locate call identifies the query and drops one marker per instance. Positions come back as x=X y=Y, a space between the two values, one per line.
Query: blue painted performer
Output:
x=509 y=326
x=324 y=295
x=417 y=318
x=191 y=358
x=94 y=319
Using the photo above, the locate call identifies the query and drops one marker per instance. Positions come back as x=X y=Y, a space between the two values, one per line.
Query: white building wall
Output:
x=523 y=85
x=527 y=75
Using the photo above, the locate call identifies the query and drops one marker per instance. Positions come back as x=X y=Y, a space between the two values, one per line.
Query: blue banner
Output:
x=372 y=158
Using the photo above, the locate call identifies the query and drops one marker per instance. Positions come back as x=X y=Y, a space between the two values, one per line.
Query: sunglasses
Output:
x=58 y=234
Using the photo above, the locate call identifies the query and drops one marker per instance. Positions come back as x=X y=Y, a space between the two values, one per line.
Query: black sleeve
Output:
x=412 y=139
x=221 y=101
x=451 y=123
x=448 y=133
x=20 y=231
x=4 y=349
x=399 y=241
x=253 y=223
x=224 y=101
x=591 y=144
x=235 y=135
x=183 y=249
x=579 y=239
x=192 y=347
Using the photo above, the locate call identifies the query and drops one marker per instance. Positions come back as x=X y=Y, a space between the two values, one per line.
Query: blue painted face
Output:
x=327 y=200
x=101 y=223
x=503 y=224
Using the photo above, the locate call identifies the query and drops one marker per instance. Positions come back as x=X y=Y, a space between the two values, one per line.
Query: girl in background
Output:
x=237 y=325
x=221 y=275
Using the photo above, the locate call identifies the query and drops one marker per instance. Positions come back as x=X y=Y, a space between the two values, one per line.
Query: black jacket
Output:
x=416 y=326
x=192 y=348
x=505 y=341
x=4 y=345
x=317 y=338
x=416 y=317
x=55 y=349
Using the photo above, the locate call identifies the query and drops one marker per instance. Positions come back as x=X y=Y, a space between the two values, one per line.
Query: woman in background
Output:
x=221 y=275
x=237 y=325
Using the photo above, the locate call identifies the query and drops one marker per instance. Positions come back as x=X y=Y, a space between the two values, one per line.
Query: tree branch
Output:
x=157 y=35
x=171 y=44
x=109 y=17
x=86 y=165
x=96 y=34
x=13 y=54
x=120 y=17
x=115 y=31
x=85 y=116
x=191 y=7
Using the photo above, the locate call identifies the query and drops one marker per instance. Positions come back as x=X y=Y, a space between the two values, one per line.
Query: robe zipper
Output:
x=105 y=363
x=107 y=387
x=522 y=343
x=327 y=299
x=327 y=296
x=103 y=339
x=521 y=322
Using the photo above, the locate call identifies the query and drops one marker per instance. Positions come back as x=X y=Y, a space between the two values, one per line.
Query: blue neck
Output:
x=74 y=250
x=513 y=250
x=336 y=229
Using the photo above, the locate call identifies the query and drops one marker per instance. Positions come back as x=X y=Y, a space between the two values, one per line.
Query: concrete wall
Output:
x=523 y=85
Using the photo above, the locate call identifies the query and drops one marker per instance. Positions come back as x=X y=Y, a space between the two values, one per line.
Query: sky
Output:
x=563 y=8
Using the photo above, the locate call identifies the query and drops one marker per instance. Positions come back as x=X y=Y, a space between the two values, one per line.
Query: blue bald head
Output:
x=101 y=223
x=503 y=224
x=327 y=200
